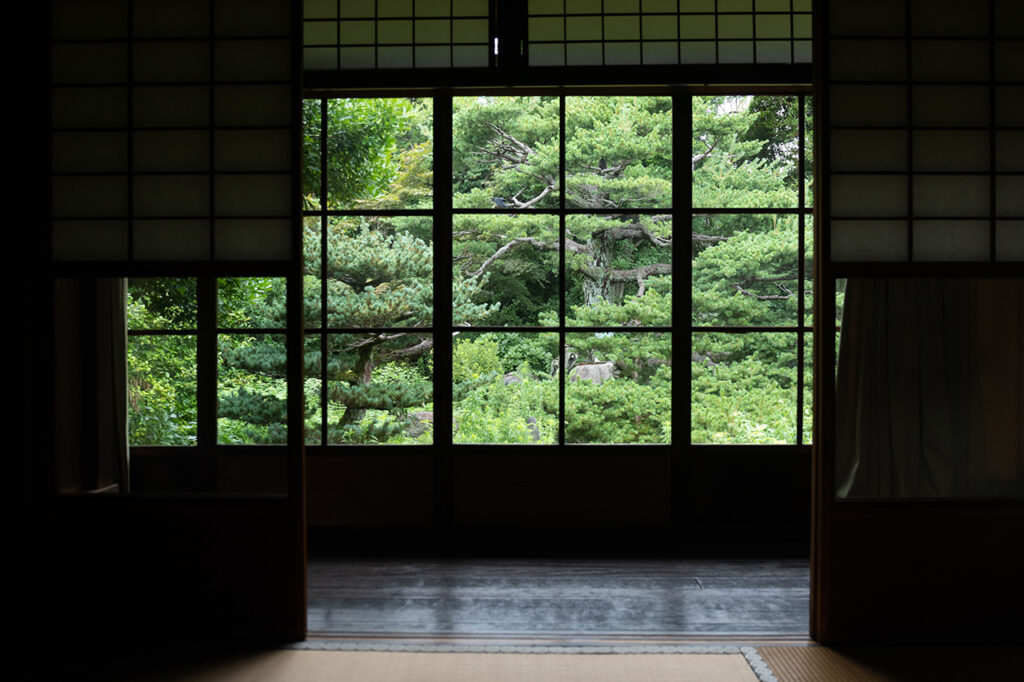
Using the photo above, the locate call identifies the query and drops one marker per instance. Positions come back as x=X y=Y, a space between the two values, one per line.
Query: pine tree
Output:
x=379 y=275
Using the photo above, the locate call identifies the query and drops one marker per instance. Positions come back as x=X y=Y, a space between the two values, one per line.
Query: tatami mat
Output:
x=372 y=666
x=888 y=664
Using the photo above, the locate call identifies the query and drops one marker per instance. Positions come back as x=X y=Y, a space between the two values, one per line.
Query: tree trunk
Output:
x=364 y=375
x=599 y=287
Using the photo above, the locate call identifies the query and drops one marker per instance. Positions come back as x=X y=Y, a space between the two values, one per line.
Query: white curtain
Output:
x=90 y=385
x=930 y=389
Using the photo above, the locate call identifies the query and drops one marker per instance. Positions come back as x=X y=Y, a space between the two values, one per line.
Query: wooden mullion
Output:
x=324 y=224
x=442 y=315
x=206 y=382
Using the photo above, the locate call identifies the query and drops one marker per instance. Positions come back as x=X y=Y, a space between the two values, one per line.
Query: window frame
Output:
x=682 y=212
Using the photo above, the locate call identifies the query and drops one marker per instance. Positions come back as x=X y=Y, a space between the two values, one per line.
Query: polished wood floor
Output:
x=544 y=597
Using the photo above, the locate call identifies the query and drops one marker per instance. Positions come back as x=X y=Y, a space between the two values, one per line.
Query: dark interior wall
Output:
x=370 y=491
x=926 y=573
x=941 y=80
x=129 y=572
x=111 y=571
x=703 y=500
x=581 y=489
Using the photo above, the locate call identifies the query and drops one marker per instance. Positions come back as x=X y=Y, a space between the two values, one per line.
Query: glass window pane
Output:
x=380 y=388
x=161 y=303
x=618 y=388
x=745 y=270
x=618 y=270
x=380 y=271
x=379 y=154
x=503 y=388
x=743 y=388
x=808 y=271
x=618 y=152
x=311 y=282
x=162 y=390
x=808 y=170
x=312 y=389
x=505 y=270
x=808 y=386
x=745 y=151
x=252 y=391
x=311 y=154
x=251 y=302
x=505 y=152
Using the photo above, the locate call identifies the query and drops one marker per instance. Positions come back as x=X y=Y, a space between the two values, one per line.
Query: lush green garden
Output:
x=373 y=295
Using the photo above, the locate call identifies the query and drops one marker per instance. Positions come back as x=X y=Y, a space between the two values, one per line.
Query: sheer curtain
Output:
x=90 y=382
x=930 y=389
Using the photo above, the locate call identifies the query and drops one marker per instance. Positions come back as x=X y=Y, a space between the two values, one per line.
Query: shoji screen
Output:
x=395 y=34
x=172 y=130
x=606 y=32
x=925 y=126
